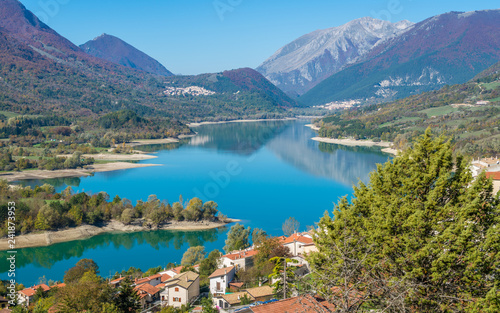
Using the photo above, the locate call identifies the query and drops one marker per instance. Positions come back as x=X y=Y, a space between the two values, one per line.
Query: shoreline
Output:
x=194 y=124
x=82 y=172
x=142 y=142
x=116 y=163
x=115 y=156
x=88 y=231
x=386 y=145
x=312 y=126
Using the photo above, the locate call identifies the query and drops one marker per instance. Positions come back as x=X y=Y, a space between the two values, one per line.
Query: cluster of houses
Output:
x=175 y=288
x=492 y=168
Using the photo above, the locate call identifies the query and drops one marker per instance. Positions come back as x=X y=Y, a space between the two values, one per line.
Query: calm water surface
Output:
x=259 y=172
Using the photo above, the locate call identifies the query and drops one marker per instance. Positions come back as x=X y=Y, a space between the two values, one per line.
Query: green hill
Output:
x=453 y=110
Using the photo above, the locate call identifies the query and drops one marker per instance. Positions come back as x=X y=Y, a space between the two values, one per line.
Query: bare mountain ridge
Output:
x=305 y=62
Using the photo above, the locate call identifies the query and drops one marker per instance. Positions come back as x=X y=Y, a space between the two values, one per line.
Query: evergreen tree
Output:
x=422 y=236
x=127 y=299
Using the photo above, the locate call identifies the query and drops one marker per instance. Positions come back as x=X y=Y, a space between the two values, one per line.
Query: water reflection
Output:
x=240 y=138
x=56 y=182
x=46 y=257
x=344 y=164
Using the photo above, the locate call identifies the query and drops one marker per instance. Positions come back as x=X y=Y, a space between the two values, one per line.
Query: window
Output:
x=176 y=289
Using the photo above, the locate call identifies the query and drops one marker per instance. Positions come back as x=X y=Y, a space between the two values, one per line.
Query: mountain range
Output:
x=44 y=73
x=446 y=49
x=306 y=61
x=115 y=50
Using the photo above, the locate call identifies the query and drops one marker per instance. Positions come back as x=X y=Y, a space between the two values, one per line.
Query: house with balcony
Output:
x=220 y=279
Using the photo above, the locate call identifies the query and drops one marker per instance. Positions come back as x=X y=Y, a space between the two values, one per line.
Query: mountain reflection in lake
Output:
x=280 y=173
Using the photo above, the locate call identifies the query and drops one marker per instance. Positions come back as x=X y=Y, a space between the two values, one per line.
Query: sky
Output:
x=206 y=36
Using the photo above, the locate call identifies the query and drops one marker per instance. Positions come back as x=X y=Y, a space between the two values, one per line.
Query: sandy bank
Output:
x=115 y=156
x=87 y=231
x=361 y=143
x=312 y=126
x=95 y=168
x=240 y=121
x=141 y=142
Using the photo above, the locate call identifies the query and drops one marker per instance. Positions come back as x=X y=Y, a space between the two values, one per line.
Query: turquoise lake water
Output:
x=259 y=172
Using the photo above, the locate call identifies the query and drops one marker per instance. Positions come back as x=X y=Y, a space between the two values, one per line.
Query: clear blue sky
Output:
x=201 y=36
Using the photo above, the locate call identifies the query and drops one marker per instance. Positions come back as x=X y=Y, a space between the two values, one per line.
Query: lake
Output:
x=259 y=172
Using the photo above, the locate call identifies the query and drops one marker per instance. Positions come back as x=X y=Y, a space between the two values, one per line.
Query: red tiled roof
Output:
x=177 y=269
x=298 y=238
x=114 y=281
x=221 y=271
x=237 y=285
x=154 y=276
x=165 y=277
x=240 y=255
x=32 y=290
x=147 y=288
x=304 y=304
x=493 y=175
x=61 y=285
x=141 y=281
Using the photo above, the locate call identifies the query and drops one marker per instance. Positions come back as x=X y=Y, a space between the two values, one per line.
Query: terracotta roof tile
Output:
x=298 y=238
x=237 y=285
x=221 y=271
x=235 y=298
x=258 y=292
x=115 y=281
x=61 y=285
x=303 y=304
x=185 y=280
x=147 y=288
x=32 y=290
x=165 y=277
x=493 y=175
x=240 y=254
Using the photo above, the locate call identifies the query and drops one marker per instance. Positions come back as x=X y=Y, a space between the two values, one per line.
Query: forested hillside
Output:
x=470 y=113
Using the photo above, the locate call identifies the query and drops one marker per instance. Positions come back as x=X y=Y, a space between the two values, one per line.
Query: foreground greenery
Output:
x=44 y=209
x=421 y=236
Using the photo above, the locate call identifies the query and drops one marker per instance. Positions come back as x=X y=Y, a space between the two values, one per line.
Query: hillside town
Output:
x=177 y=287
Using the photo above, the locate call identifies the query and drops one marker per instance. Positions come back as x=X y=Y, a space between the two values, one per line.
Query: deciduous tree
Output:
x=237 y=238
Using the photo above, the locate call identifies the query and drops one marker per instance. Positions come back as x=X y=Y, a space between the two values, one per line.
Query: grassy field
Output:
x=474 y=134
x=447 y=109
x=8 y=114
x=401 y=121
x=491 y=86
